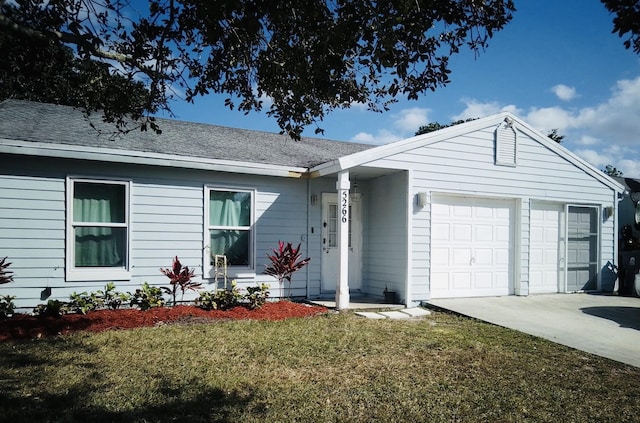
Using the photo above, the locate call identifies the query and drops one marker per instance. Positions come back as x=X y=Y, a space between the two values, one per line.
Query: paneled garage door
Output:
x=471 y=247
x=546 y=258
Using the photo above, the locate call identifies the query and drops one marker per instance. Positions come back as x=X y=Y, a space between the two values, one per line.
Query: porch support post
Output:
x=342 y=287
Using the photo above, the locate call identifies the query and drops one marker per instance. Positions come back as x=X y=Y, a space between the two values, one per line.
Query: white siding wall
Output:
x=385 y=263
x=465 y=165
x=166 y=220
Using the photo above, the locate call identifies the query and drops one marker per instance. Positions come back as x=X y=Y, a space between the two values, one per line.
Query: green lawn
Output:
x=331 y=368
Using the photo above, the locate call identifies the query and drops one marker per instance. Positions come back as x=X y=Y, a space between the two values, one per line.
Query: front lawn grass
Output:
x=336 y=368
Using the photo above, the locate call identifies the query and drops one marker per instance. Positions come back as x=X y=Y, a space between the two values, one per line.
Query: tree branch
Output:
x=64 y=37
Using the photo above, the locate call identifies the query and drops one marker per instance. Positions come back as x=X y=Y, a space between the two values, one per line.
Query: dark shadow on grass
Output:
x=25 y=398
x=213 y=405
x=626 y=317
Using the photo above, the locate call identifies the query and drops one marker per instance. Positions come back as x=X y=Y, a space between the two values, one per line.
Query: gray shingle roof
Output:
x=30 y=121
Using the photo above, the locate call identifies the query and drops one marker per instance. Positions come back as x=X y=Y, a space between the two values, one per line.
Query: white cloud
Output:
x=596 y=158
x=587 y=140
x=548 y=118
x=409 y=120
x=564 y=92
x=607 y=133
x=381 y=137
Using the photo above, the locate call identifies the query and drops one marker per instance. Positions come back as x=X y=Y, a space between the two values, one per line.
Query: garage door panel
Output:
x=462 y=211
x=462 y=280
x=440 y=231
x=462 y=232
x=503 y=258
x=483 y=256
x=440 y=255
x=461 y=256
x=484 y=233
x=479 y=262
x=544 y=247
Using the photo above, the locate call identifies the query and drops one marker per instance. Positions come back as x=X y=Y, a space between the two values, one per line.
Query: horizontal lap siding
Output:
x=32 y=232
x=465 y=165
x=386 y=257
x=166 y=220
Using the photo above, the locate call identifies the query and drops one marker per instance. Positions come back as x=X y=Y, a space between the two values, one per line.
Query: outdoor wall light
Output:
x=421 y=199
x=608 y=212
x=314 y=200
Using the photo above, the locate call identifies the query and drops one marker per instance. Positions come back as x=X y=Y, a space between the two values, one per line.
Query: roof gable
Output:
x=493 y=122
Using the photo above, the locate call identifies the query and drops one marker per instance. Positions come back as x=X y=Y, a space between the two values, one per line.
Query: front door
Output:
x=330 y=243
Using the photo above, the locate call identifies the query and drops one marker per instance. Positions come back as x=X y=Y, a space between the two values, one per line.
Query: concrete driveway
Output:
x=605 y=325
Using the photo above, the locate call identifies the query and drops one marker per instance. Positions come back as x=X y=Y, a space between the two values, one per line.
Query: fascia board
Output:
x=144 y=158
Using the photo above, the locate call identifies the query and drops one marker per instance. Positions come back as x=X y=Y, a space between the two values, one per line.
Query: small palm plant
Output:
x=285 y=261
x=6 y=276
x=179 y=277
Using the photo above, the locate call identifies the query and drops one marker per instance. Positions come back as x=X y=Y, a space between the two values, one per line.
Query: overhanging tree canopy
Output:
x=297 y=59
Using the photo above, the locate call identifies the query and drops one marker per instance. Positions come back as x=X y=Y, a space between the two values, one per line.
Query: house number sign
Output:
x=344 y=211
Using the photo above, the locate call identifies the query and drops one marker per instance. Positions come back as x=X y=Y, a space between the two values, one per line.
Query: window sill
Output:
x=97 y=274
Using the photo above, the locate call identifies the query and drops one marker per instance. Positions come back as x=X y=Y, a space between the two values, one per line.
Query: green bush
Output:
x=257 y=295
x=53 y=308
x=220 y=299
x=83 y=302
x=6 y=306
x=113 y=299
x=147 y=297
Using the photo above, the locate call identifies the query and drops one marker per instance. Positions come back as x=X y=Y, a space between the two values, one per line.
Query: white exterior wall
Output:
x=166 y=220
x=465 y=165
x=385 y=263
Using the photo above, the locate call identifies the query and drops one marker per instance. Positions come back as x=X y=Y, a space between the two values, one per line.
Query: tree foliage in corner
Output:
x=306 y=57
x=36 y=66
x=626 y=21
x=612 y=171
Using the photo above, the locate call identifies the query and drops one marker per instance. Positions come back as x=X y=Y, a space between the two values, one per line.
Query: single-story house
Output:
x=486 y=208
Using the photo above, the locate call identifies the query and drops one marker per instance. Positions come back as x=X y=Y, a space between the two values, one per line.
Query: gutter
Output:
x=146 y=158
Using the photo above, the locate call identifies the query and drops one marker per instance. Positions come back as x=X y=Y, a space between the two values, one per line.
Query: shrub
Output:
x=6 y=306
x=113 y=299
x=220 y=299
x=83 y=303
x=285 y=261
x=6 y=276
x=53 y=308
x=147 y=297
x=179 y=277
x=257 y=295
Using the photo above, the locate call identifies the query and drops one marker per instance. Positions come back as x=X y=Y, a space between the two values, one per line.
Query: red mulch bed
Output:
x=23 y=326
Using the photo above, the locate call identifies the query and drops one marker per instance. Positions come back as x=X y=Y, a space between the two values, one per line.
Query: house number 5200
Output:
x=345 y=206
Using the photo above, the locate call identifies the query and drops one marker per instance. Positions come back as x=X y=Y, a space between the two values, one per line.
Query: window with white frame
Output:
x=229 y=228
x=97 y=229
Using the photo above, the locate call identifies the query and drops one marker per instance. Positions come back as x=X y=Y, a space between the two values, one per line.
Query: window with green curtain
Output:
x=99 y=224
x=230 y=223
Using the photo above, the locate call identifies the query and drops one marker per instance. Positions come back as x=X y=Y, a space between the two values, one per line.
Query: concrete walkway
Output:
x=372 y=308
x=605 y=325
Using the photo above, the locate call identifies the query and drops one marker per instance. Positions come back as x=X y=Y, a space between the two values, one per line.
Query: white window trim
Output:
x=232 y=271
x=75 y=274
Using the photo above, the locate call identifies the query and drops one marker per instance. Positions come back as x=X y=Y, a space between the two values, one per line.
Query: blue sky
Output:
x=556 y=65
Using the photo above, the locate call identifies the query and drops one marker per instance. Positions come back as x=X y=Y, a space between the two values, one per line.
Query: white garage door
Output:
x=471 y=247
x=545 y=254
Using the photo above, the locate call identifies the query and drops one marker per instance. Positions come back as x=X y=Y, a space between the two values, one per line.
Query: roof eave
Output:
x=31 y=148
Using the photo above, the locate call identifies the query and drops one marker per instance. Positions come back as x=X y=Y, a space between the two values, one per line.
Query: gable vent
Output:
x=506 y=145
